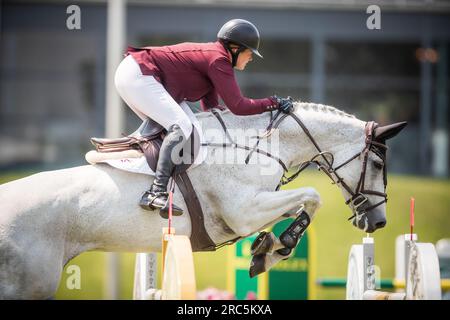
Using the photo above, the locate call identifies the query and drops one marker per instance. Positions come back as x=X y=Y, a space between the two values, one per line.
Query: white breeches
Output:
x=148 y=98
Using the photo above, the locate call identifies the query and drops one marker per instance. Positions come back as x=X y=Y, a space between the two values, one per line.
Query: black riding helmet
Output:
x=240 y=32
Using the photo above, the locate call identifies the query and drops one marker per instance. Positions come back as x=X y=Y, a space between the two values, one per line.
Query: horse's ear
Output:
x=387 y=132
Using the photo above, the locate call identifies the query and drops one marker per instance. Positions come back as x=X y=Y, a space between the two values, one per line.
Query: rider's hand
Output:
x=286 y=105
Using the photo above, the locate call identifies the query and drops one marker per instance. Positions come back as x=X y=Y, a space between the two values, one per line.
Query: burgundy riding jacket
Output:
x=197 y=71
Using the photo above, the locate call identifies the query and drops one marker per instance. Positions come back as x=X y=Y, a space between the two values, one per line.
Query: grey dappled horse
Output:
x=49 y=218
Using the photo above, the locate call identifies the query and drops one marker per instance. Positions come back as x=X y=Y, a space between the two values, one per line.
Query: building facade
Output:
x=52 y=92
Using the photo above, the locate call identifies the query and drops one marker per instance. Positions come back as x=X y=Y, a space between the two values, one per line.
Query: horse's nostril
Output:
x=380 y=224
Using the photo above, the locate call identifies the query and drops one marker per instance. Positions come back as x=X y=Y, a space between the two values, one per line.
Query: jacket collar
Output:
x=222 y=48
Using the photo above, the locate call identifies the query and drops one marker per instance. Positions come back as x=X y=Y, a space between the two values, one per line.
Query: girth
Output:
x=200 y=239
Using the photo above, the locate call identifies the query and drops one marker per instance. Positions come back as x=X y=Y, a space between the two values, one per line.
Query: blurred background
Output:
x=55 y=93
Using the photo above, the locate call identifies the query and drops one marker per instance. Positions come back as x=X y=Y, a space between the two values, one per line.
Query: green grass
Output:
x=334 y=237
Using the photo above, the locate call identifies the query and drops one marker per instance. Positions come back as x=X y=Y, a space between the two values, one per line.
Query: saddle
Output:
x=148 y=139
x=148 y=129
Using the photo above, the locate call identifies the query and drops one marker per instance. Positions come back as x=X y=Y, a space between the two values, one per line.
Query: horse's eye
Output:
x=378 y=165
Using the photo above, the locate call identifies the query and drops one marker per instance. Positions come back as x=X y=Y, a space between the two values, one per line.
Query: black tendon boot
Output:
x=290 y=237
x=157 y=196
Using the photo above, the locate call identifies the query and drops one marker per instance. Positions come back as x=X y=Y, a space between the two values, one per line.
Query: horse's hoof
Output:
x=263 y=243
x=258 y=265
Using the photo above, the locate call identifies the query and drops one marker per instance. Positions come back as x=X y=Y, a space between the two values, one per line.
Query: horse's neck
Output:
x=333 y=131
x=232 y=122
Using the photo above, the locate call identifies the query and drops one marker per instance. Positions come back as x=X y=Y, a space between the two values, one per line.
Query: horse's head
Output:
x=362 y=176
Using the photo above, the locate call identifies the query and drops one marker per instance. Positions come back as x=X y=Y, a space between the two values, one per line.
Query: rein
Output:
x=358 y=200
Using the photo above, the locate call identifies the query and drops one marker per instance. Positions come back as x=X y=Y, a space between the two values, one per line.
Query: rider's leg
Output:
x=156 y=197
x=128 y=72
x=148 y=97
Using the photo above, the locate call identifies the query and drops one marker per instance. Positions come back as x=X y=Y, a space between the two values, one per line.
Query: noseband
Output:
x=358 y=201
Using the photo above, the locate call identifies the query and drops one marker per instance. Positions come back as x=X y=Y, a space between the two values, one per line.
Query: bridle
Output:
x=358 y=201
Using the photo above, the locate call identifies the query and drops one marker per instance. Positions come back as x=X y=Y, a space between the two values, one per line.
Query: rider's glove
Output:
x=286 y=105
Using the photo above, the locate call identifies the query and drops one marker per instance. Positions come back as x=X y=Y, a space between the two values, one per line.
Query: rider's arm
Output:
x=222 y=76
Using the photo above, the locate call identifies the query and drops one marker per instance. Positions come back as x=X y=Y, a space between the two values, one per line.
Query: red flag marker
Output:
x=411 y=216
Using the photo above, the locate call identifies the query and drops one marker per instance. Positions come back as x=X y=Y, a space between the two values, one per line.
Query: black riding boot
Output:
x=157 y=196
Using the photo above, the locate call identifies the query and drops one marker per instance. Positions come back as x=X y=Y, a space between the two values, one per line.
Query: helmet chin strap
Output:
x=234 y=55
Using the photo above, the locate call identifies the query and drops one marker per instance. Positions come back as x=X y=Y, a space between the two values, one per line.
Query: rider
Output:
x=155 y=81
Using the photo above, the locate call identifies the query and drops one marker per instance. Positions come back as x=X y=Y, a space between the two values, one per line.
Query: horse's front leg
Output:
x=268 y=207
x=268 y=250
